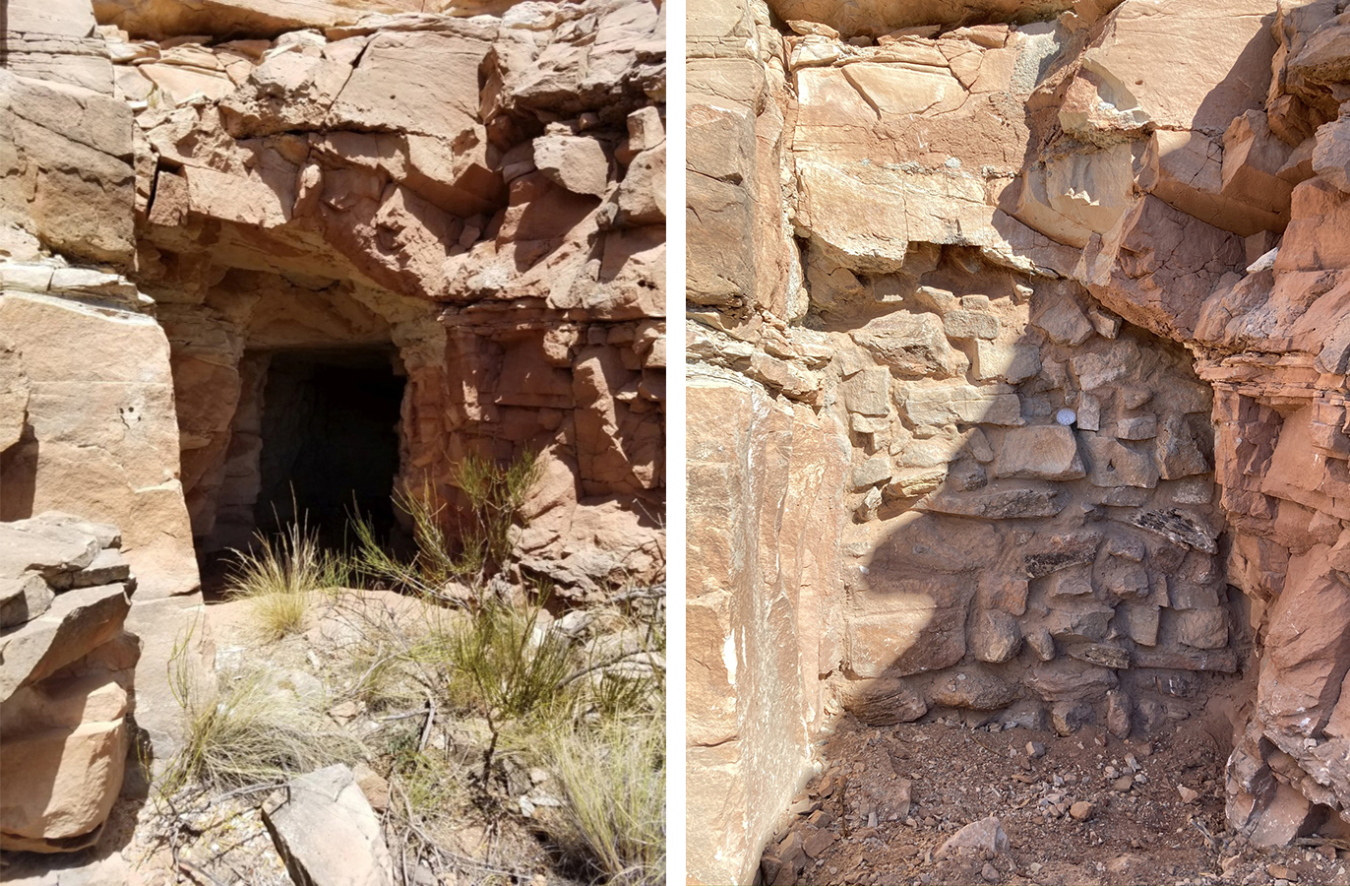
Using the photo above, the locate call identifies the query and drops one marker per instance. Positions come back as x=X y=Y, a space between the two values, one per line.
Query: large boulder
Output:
x=67 y=669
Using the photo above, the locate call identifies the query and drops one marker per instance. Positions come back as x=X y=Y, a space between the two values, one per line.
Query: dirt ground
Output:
x=1138 y=826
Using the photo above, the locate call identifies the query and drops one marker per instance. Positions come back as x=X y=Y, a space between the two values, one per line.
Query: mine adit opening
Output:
x=330 y=440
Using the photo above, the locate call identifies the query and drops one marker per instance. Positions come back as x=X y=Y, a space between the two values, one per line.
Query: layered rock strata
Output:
x=470 y=195
x=1061 y=285
x=67 y=672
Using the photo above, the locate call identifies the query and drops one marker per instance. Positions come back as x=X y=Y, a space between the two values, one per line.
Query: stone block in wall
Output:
x=997 y=636
x=1139 y=622
x=1123 y=579
x=1079 y=619
x=973 y=689
x=1011 y=362
x=1102 y=368
x=868 y=392
x=1046 y=556
x=998 y=590
x=1112 y=464
x=998 y=502
x=1202 y=628
x=910 y=345
x=1184 y=528
x=885 y=701
x=1060 y=317
x=905 y=626
x=935 y=406
x=1041 y=452
x=964 y=324
x=1182 y=593
x=1062 y=680
x=1178 y=453
x=1074 y=581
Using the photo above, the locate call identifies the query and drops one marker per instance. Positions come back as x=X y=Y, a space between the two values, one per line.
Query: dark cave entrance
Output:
x=330 y=441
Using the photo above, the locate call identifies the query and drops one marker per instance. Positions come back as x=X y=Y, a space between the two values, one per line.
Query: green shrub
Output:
x=495 y=493
x=505 y=664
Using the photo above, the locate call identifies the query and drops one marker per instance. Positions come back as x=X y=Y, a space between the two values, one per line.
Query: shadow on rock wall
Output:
x=1041 y=534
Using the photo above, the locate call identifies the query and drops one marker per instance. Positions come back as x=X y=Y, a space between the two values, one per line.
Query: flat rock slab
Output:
x=77 y=622
x=996 y=503
x=108 y=567
x=23 y=599
x=49 y=550
x=325 y=829
x=108 y=535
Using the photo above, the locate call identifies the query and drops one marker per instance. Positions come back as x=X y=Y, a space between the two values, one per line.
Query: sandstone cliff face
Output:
x=202 y=203
x=1018 y=262
x=277 y=187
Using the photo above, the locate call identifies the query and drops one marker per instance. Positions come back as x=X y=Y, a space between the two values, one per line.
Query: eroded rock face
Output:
x=469 y=195
x=67 y=669
x=511 y=258
x=1072 y=290
x=286 y=182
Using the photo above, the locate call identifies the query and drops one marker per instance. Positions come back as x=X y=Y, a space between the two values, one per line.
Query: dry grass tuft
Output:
x=249 y=731
x=614 y=781
x=282 y=576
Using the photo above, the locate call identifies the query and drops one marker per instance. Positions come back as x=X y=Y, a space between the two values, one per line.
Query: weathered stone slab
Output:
x=106 y=568
x=77 y=622
x=997 y=503
x=23 y=599
x=326 y=831
x=1177 y=526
